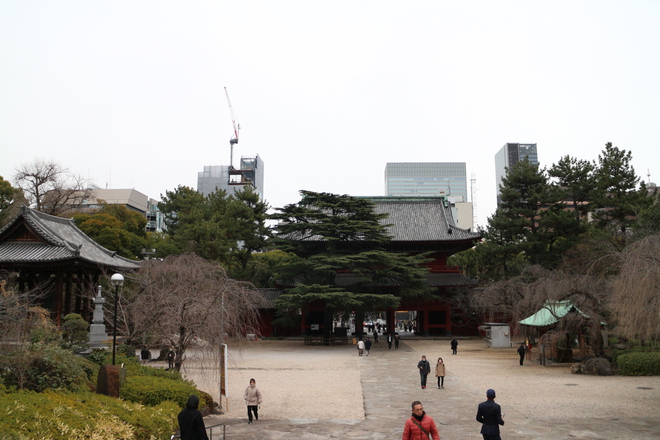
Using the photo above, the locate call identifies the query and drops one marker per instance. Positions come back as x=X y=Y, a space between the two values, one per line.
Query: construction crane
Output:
x=237 y=127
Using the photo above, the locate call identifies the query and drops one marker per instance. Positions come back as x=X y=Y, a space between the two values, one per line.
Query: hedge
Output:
x=639 y=364
x=151 y=390
x=28 y=415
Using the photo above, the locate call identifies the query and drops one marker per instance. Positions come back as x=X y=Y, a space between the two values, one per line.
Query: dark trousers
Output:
x=522 y=358
x=441 y=381
x=423 y=377
x=251 y=409
x=492 y=437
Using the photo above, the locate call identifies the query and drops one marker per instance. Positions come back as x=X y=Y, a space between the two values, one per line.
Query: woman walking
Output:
x=440 y=373
x=252 y=400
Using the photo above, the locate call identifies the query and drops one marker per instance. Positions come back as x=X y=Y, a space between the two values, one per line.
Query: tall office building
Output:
x=426 y=179
x=434 y=179
x=250 y=172
x=508 y=156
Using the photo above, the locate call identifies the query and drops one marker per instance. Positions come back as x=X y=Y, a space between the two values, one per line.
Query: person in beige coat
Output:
x=252 y=400
x=440 y=373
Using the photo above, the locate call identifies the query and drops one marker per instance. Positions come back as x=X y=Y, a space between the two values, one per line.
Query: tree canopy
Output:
x=343 y=262
x=227 y=229
x=115 y=227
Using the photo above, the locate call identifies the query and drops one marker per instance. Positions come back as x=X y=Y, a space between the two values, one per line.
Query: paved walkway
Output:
x=386 y=378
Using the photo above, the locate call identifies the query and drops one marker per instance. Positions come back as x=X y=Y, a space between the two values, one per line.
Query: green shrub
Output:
x=76 y=416
x=102 y=357
x=635 y=349
x=75 y=333
x=152 y=390
x=48 y=367
x=639 y=364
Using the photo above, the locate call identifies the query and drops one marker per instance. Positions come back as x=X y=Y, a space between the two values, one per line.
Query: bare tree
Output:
x=49 y=187
x=635 y=302
x=18 y=318
x=185 y=299
x=524 y=295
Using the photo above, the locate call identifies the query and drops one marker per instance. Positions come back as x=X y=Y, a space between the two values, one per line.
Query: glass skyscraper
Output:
x=426 y=179
x=508 y=156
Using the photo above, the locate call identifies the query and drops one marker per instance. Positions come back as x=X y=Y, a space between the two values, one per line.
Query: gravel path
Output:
x=332 y=390
x=325 y=381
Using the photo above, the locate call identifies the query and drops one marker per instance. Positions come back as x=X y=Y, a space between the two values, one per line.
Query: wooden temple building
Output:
x=52 y=257
x=416 y=225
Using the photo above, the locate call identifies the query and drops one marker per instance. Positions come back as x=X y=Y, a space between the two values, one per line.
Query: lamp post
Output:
x=117 y=280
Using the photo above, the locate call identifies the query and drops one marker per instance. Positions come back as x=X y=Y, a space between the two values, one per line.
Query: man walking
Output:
x=389 y=341
x=489 y=415
x=360 y=347
x=418 y=423
x=521 y=353
x=367 y=345
x=424 y=369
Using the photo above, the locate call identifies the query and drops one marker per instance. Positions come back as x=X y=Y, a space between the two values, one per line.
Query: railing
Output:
x=210 y=430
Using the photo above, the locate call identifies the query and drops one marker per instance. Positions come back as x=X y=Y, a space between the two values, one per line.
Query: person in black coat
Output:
x=489 y=415
x=521 y=353
x=191 y=422
x=454 y=346
x=424 y=369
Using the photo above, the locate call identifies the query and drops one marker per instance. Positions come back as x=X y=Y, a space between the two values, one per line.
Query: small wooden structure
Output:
x=547 y=321
x=51 y=255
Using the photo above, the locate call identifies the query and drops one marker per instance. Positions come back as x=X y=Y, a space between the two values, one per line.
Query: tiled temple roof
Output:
x=51 y=240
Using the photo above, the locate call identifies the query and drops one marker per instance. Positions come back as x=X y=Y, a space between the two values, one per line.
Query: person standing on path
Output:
x=454 y=346
x=440 y=373
x=367 y=345
x=145 y=355
x=389 y=341
x=396 y=341
x=420 y=426
x=375 y=336
x=191 y=422
x=521 y=353
x=528 y=346
x=360 y=347
x=170 y=359
x=424 y=370
x=252 y=400
x=489 y=415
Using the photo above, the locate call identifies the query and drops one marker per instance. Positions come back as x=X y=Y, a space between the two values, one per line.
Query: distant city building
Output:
x=130 y=198
x=155 y=218
x=432 y=179
x=250 y=172
x=508 y=156
x=426 y=179
x=94 y=199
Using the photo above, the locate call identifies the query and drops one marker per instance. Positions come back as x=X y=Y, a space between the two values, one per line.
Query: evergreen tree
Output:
x=620 y=195
x=576 y=180
x=343 y=265
x=226 y=229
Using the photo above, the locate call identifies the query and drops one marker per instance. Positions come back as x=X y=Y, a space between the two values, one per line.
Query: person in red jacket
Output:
x=420 y=426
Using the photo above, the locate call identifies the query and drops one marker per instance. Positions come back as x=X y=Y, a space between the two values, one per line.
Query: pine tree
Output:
x=344 y=264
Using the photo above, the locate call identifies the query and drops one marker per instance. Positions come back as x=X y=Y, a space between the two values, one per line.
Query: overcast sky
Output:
x=131 y=93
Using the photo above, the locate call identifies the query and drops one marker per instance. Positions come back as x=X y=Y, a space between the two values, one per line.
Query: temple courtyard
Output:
x=312 y=392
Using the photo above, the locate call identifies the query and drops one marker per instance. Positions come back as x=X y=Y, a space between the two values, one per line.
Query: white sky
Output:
x=131 y=93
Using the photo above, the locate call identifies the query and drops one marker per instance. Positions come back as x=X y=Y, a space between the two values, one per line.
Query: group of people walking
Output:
x=422 y=426
x=424 y=368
